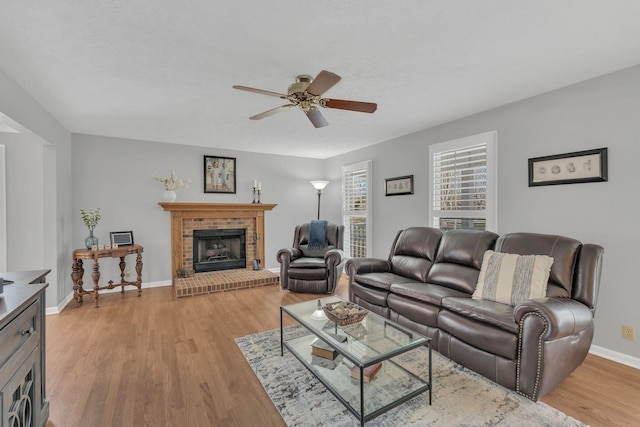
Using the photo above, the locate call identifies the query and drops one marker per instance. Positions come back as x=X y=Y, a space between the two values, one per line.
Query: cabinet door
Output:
x=19 y=397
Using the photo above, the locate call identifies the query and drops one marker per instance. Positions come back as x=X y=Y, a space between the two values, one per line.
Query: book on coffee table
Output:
x=369 y=372
x=322 y=349
x=325 y=363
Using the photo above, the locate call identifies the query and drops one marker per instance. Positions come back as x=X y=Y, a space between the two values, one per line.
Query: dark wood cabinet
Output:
x=22 y=353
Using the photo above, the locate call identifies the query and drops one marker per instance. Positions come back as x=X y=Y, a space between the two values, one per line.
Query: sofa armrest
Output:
x=554 y=339
x=563 y=316
x=284 y=257
x=333 y=257
x=367 y=265
x=288 y=255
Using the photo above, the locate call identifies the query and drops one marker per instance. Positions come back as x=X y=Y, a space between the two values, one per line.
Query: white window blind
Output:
x=356 y=208
x=463 y=183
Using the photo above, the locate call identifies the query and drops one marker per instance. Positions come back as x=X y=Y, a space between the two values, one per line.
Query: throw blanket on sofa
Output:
x=318 y=234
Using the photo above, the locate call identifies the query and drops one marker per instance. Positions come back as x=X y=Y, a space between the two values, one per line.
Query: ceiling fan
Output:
x=306 y=93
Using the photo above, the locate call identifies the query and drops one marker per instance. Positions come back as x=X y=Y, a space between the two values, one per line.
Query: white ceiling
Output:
x=162 y=70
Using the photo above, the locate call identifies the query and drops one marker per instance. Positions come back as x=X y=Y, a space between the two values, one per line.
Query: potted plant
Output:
x=90 y=217
x=170 y=185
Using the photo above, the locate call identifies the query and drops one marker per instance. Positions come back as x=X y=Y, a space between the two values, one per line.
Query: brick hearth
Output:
x=221 y=281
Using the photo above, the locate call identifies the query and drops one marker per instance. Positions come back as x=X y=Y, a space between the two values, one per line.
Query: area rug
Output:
x=460 y=396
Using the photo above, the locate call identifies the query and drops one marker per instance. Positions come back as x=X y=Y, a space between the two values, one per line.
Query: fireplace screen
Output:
x=219 y=249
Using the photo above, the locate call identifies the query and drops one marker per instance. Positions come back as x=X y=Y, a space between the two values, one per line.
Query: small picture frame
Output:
x=219 y=174
x=107 y=246
x=569 y=168
x=94 y=247
x=121 y=238
x=100 y=247
x=398 y=186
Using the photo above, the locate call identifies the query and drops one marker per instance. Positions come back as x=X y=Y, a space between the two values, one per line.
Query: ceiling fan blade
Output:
x=324 y=81
x=272 y=111
x=264 y=92
x=363 y=107
x=316 y=117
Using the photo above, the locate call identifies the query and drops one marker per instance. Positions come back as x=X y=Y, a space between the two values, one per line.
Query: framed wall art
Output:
x=398 y=185
x=219 y=174
x=121 y=238
x=569 y=168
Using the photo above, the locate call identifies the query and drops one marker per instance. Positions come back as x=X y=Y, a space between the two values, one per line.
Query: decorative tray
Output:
x=344 y=313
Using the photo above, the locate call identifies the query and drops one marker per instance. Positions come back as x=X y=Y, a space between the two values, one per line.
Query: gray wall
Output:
x=25 y=201
x=602 y=112
x=48 y=144
x=114 y=174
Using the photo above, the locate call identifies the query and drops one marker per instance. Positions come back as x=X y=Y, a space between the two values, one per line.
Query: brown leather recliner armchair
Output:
x=304 y=269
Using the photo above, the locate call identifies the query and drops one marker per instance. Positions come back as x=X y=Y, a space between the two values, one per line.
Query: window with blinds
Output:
x=462 y=192
x=356 y=208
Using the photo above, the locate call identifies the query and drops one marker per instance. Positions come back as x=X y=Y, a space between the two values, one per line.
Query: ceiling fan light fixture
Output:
x=302 y=83
x=306 y=93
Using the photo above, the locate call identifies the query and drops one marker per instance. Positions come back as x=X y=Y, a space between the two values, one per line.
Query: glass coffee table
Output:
x=357 y=347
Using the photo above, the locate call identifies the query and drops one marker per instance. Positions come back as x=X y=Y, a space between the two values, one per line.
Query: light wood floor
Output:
x=161 y=361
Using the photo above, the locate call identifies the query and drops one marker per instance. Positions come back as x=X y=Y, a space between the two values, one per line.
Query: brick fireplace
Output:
x=187 y=217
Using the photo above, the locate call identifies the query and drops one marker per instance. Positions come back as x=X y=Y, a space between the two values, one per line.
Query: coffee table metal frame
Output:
x=415 y=340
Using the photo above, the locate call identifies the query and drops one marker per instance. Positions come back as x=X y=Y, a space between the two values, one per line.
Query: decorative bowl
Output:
x=344 y=313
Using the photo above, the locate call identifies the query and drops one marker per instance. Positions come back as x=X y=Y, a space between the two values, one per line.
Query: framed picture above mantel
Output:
x=569 y=168
x=219 y=174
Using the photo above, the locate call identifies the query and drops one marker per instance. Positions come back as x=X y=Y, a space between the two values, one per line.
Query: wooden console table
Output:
x=120 y=252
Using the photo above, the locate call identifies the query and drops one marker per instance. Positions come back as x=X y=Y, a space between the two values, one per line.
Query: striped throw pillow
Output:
x=511 y=279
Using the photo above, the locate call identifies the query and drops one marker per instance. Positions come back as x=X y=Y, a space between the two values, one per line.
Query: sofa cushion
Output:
x=306 y=262
x=563 y=250
x=433 y=294
x=511 y=278
x=491 y=312
x=315 y=253
x=415 y=268
x=459 y=259
x=414 y=251
x=307 y=273
x=380 y=280
x=455 y=276
x=465 y=247
x=403 y=307
x=372 y=295
x=481 y=335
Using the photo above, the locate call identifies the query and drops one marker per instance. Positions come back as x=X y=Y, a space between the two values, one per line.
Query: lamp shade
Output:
x=319 y=185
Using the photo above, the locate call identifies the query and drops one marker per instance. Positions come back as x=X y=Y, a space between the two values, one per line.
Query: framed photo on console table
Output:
x=569 y=168
x=121 y=238
x=398 y=185
x=219 y=174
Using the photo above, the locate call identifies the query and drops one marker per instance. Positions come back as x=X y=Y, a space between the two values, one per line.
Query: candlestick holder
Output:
x=258 y=196
x=255 y=195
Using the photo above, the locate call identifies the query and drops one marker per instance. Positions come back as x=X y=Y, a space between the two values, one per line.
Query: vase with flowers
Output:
x=171 y=184
x=90 y=217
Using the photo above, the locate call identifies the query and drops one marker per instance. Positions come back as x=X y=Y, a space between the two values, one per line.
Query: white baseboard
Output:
x=615 y=356
x=69 y=297
x=63 y=304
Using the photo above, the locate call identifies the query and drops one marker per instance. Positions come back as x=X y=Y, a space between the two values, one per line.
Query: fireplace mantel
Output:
x=184 y=212
x=223 y=207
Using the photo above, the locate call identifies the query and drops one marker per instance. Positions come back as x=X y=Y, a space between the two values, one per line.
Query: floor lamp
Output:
x=319 y=185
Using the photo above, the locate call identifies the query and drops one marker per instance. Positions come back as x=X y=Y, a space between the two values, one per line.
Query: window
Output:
x=463 y=188
x=356 y=208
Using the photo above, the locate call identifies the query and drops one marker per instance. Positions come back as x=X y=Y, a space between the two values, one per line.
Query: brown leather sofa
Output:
x=427 y=283
x=303 y=269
